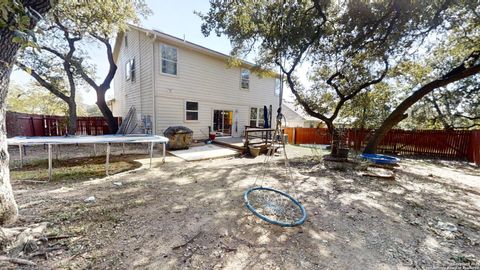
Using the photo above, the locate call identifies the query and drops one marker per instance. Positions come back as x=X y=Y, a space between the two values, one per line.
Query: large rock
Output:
x=180 y=137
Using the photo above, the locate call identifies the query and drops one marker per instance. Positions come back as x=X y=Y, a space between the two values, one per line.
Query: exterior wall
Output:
x=210 y=82
x=138 y=92
x=170 y=112
x=127 y=93
x=293 y=118
x=201 y=78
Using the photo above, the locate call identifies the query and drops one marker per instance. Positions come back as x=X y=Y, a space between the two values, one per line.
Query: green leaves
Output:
x=102 y=17
x=343 y=45
x=34 y=99
x=19 y=19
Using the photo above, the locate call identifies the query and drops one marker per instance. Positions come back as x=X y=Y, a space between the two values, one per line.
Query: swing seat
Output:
x=275 y=206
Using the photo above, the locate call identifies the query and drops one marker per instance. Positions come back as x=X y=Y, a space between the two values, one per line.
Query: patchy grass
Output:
x=75 y=169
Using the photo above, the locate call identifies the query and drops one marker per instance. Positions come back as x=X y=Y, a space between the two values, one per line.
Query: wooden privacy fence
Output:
x=21 y=124
x=462 y=145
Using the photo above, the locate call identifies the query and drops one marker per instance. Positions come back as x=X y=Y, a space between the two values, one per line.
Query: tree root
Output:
x=17 y=261
x=188 y=242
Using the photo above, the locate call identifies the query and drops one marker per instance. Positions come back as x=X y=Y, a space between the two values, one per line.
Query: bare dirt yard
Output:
x=191 y=215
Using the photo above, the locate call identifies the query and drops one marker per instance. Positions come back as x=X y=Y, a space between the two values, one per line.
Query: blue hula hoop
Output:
x=283 y=224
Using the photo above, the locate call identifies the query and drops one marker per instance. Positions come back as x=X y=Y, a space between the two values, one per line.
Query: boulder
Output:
x=180 y=137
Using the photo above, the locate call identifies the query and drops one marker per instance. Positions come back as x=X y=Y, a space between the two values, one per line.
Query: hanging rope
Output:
x=271 y=205
x=275 y=206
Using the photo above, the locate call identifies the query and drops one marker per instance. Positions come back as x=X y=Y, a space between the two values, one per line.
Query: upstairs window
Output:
x=278 y=86
x=245 y=78
x=126 y=40
x=169 y=59
x=130 y=70
x=191 y=111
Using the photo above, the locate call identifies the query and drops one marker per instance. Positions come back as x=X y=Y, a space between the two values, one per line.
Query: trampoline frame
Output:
x=100 y=139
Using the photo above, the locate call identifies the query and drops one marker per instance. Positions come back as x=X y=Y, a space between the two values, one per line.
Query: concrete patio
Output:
x=208 y=151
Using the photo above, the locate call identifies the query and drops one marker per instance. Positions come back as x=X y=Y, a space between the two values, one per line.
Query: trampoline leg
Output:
x=20 y=147
x=163 y=152
x=151 y=154
x=49 y=162
x=94 y=150
x=123 y=148
x=108 y=158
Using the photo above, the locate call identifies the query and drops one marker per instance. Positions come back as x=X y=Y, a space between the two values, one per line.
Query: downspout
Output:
x=154 y=88
x=138 y=74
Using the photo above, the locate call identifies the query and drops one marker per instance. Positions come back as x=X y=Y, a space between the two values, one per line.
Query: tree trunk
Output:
x=337 y=151
x=72 y=118
x=394 y=118
x=8 y=207
x=106 y=112
x=8 y=51
x=458 y=73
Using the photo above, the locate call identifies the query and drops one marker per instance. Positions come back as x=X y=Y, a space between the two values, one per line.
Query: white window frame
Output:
x=279 y=87
x=197 y=111
x=259 y=116
x=250 y=119
x=242 y=79
x=130 y=70
x=161 y=60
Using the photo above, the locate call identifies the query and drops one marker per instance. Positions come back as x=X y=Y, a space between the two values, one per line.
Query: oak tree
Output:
x=68 y=31
x=17 y=19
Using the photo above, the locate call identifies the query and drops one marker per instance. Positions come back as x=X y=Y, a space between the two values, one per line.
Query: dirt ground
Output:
x=191 y=215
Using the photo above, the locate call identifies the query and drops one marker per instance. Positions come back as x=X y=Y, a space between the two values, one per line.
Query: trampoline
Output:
x=101 y=139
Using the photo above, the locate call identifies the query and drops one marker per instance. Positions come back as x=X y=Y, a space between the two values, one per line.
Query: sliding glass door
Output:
x=222 y=122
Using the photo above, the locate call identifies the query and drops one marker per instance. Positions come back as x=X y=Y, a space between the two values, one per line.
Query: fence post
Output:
x=294 y=135
x=473 y=154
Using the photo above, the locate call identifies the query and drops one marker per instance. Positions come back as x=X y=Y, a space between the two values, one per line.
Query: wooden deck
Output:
x=235 y=143
x=254 y=137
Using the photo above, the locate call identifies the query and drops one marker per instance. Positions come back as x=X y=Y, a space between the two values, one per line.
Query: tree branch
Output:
x=464 y=70
x=335 y=86
x=473 y=118
x=372 y=82
x=55 y=52
x=49 y=86
x=320 y=11
x=113 y=67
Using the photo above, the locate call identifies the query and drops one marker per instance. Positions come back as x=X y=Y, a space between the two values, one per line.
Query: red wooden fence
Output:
x=463 y=145
x=21 y=124
x=474 y=147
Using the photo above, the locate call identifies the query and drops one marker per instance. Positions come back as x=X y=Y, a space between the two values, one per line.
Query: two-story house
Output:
x=174 y=82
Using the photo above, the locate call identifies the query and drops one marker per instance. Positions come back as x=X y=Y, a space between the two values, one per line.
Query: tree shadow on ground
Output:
x=186 y=215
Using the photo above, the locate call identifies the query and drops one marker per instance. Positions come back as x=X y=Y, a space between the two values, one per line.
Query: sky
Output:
x=174 y=17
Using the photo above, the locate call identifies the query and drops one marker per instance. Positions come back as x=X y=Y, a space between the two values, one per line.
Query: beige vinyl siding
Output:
x=145 y=73
x=293 y=118
x=168 y=108
x=199 y=75
x=214 y=85
x=203 y=78
x=137 y=93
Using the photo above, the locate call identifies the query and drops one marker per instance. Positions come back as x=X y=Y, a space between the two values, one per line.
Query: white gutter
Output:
x=137 y=74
